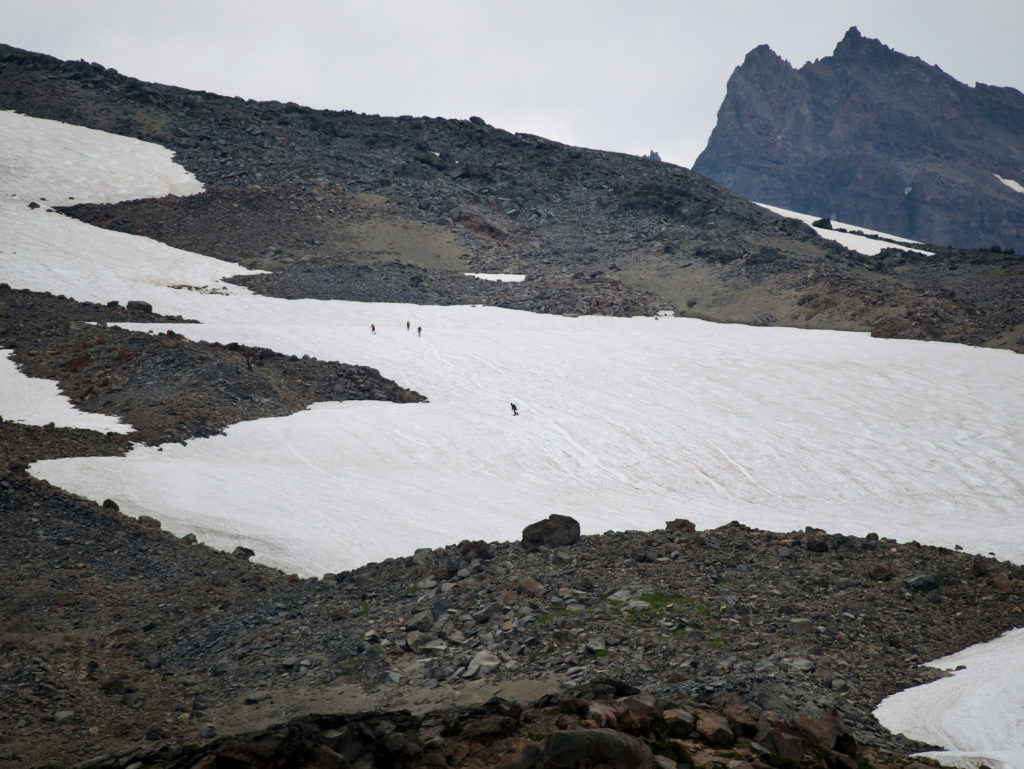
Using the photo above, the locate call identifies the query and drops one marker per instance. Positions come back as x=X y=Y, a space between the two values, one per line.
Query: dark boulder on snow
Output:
x=556 y=531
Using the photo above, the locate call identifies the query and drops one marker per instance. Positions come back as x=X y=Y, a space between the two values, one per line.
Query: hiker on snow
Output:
x=515 y=410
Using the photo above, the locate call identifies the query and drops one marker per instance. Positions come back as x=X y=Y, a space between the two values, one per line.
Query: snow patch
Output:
x=1015 y=186
x=497 y=276
x=36 y=401
x=66 y=164
x=859 y=243
x=958 y=710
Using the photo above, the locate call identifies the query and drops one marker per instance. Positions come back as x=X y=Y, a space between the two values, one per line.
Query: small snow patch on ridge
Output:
x=1015 y=186
x=860 y=239
x=34 y=401
x=497 y=276
x=61 y=163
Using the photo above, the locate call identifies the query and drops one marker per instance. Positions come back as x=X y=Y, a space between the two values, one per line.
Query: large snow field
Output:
x=625 y=423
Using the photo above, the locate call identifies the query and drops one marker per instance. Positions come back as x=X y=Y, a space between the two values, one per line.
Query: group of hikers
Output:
x=419 y=332
x=408 y=327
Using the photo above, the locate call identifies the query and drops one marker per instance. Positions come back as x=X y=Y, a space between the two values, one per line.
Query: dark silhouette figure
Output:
x=419 y=331
x=515 y=410
x=373 y=329
x=407 y=325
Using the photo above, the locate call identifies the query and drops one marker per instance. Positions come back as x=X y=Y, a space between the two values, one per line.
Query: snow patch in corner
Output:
x=34 y=401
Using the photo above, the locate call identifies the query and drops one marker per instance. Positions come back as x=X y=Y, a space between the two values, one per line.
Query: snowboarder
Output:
x=373 y=329
x=515 y=410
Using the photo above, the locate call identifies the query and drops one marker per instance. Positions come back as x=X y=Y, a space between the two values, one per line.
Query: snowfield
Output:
x=851 y=240
x=39 y=402
x=1011 y=183
x=624 y=423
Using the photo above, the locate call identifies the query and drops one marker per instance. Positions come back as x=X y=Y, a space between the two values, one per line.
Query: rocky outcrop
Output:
x=874 y=137
x=569 y=730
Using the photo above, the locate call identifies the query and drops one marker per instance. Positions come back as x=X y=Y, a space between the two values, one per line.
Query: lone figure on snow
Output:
x=373 y=329
x=515 y=410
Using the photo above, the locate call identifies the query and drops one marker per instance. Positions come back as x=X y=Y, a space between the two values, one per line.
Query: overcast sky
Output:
x=625 y=76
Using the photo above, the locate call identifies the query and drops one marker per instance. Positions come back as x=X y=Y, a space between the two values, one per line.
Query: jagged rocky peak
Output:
x=854 y=44
x=877 y=138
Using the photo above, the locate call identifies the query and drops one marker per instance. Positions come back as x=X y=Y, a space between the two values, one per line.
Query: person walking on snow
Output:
x=419 y=331
x=407 y=325
x=373 y=329
x=515 y=410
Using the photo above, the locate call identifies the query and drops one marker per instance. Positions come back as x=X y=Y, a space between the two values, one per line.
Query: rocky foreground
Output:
x=121 y=640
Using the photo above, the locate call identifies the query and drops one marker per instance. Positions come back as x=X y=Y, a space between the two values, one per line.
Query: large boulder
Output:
x=586 y=748
x=556 y=531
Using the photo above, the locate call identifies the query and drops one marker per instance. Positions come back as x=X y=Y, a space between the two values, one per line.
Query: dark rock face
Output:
x=877 y=138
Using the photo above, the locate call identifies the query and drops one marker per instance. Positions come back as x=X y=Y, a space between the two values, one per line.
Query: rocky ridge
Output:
x=872 y=136
x=309 y=194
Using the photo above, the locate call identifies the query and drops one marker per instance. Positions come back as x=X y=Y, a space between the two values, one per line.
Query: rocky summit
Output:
x=124 y=646
x=871 y=136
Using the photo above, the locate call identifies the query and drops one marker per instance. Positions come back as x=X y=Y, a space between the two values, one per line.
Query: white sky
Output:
x=630 y=77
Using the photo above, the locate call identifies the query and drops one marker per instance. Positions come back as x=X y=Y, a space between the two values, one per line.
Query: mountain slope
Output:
x=340 y=205
x=872 y=136
x=120 y=636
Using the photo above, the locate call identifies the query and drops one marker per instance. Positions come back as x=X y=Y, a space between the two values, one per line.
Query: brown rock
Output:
x=475 y=549
x=1001 y=583
x=556 y=531
x=826 y=729
x=784 y=744
x=529 y=585
x=880 y=571
x=593 y=748
x=527 y=758
x=603 y=714
x=493 y=725
x=637 y=713
x=681 y=524
x=714 y=728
